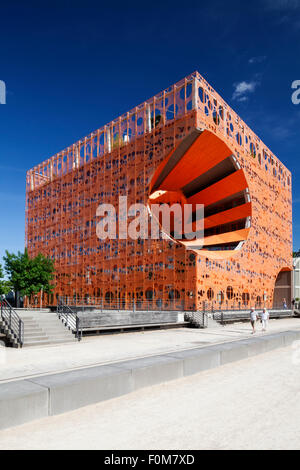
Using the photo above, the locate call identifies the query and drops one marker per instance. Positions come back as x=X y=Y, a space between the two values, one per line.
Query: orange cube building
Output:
x=185 y=141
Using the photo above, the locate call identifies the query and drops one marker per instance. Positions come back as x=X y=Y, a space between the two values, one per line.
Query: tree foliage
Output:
x=29 y=275
x=5 y=286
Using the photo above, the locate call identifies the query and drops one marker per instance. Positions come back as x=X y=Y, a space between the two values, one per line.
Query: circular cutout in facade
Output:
x=203 y=172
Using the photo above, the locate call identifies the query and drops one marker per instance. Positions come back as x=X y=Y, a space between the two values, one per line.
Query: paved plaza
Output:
x=103 y=349
x=249 y=404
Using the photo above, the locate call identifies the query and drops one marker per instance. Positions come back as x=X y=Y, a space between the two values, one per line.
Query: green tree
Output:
x=1 y=279
x=5 y=286
x=40 y=275
x=296 y=254
x=29 y=275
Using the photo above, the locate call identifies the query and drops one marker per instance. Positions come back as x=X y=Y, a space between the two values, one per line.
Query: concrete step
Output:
x=53 y=327
x=45 y=328
x=48 y=323
x=57 y=333
x=34 y=333
x=30 y=322
x=32 y=339
x=52 y=331
x=49 y=341
x=37 y=317
x=48 y=334
x=32 y=327
x=32 y=311
x=45 y=322
x=33 y=330
x=60 y=336
x=56 y=324
x=45 y=317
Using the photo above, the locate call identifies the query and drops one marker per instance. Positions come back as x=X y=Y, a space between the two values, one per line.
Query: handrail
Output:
x=155 y=304
x=12 y=321
x=198 y=318
x=69 y=318
x=159 y=304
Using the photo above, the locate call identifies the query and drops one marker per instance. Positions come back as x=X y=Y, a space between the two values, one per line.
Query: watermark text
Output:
x=2 y=92
x=296 y=94
x=139 y=221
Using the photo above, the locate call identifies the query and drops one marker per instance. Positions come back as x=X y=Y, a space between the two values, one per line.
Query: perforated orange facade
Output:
x=185 y=141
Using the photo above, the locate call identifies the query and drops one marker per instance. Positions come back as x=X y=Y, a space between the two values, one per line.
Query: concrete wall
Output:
x=115 y=318
x=35 y=398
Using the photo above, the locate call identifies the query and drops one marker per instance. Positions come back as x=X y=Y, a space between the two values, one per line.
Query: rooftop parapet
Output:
x=190 y=93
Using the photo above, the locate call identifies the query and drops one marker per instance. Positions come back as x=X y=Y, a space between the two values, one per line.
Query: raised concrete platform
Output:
x=232 y=316
x=75 y=389
x=96 y=319
x=21 y=402
x=138 y=327
x=26 y=400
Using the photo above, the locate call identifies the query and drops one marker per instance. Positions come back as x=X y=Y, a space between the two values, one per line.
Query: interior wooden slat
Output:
x=228 y=186
x=230 y=215
x=203 y=154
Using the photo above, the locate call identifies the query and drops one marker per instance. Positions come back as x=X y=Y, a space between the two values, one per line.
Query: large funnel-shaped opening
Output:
x=203 y=170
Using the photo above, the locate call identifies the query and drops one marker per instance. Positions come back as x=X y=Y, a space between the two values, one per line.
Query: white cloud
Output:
x=257 y=60
x=242 y=90
x=282 y=4
x=243 y=98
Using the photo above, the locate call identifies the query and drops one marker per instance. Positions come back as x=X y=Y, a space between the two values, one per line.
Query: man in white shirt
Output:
x=264 y=319
x=253 y=318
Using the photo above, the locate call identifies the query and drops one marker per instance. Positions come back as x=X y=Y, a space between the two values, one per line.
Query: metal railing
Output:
x=159 y=304
x=170 y=104
x=190 y=93
x=102 y=304
x=68 y=318
x=214 y=306
x=70 y=314
x=197 y=319
x=68 y=309
x=12 y=322
x=224 y=316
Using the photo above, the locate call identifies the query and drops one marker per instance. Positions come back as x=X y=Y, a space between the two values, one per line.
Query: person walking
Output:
x=253 y=318
x=264 y=319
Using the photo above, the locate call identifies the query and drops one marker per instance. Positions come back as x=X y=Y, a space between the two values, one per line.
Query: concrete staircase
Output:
x=44 y=327
x=7 y=337
x=196 y=319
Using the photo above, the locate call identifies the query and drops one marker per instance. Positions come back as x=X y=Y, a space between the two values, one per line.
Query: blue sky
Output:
x=70 y=67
